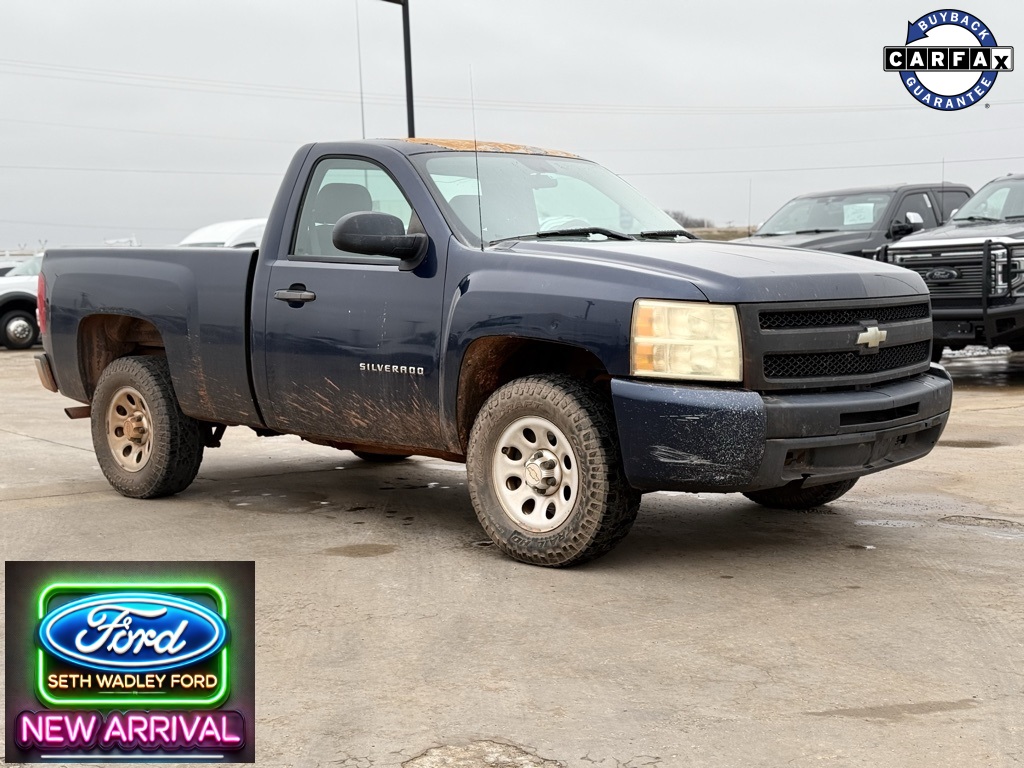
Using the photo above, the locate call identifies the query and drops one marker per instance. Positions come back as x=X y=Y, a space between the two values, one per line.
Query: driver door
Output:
x=352 y=347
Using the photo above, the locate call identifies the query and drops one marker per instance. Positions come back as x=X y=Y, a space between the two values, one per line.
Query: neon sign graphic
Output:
x=140 y=636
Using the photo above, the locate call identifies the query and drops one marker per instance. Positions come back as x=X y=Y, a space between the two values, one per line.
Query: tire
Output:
x=584 y=506
x=937 y=350
x=162 y=459
x=18 y=329
x=380 y=458
x=794 y=497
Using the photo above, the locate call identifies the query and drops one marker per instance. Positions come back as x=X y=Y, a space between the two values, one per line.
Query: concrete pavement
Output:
x=885 y=630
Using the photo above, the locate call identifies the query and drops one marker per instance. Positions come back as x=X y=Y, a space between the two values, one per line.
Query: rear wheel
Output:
x=545 y=475
x=380 y=458
x=145 y=445
x=792 y=496
x=19 y=329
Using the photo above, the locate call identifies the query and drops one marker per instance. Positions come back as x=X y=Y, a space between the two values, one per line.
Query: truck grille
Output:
x=963 y=270
x=967 y=266
x=814 y=344
x=827 y=318
x=818 y=364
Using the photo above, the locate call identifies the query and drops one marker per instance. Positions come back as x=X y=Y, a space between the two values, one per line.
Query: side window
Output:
x=921 y=204
x=340 y=186
x=950 y=200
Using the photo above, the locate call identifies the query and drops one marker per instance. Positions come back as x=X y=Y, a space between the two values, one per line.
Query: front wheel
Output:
x=794 y=497
x=145 y=445
x=545 y=474
x=19 y=329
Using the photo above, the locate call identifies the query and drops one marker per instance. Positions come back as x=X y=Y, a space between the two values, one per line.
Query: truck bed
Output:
x=198 y=299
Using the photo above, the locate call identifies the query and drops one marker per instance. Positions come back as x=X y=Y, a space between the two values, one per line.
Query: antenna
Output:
x=476 y=160
x=750 y=197
x=359 y=56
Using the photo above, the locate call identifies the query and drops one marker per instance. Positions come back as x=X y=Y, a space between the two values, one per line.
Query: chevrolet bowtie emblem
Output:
x=872 y=337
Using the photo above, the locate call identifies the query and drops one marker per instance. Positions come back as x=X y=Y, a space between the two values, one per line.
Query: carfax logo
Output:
x=950 y=60
x=132 y=669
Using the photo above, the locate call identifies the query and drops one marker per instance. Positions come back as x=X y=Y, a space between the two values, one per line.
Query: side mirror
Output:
x=914 y=223
x=379 y=234
x=953 y=212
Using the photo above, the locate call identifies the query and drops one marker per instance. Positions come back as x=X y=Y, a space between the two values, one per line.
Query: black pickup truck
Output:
x=526 y=312
x=860 y=221
x=974 y=267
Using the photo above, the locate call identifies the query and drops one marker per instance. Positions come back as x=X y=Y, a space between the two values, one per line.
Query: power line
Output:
x=91 y=226
x=200 y=172
x=292 y=92
x=820 y=167
x=117 y=129
x=296 y=142
x=185 y=172
x=873 y=140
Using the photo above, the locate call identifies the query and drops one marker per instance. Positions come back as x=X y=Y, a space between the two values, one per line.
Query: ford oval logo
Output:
x=132 y=632
x=942 y=274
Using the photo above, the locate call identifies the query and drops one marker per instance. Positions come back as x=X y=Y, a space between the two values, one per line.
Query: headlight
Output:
x=1016 y=271
x=686 y=340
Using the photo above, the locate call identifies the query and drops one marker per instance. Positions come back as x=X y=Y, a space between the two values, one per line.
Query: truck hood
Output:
x=18 y=284
x=968 y=230
x=727 y=272
x=834 y=242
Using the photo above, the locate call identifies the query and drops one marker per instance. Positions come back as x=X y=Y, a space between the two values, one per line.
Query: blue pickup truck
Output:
x=523 y=311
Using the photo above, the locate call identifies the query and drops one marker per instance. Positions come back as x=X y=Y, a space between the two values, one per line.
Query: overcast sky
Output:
x=126 y=117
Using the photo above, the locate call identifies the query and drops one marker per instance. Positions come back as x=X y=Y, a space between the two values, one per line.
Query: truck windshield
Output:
x=520 y=195
x=997 y=201
x=827 y=213
x=27 y=268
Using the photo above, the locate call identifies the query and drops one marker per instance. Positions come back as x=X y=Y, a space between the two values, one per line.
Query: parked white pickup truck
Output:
x=18 y=326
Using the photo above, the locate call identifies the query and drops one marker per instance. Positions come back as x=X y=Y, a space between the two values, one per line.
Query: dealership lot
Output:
x=885 y=630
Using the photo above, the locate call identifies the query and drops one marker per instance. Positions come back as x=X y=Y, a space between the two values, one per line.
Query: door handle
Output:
x=297 y=294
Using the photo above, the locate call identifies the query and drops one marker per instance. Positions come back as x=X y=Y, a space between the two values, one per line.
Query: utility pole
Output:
x=408 y=64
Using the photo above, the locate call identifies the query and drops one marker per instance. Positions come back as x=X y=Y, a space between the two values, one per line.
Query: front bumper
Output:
x=993 y=325
x=703 y=439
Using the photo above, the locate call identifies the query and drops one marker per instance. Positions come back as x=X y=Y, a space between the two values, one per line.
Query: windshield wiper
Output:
x=770 y=234
x=611 y=234
x=1013 y=217
x=975 y=218
x=813 y=231
x=655 y=234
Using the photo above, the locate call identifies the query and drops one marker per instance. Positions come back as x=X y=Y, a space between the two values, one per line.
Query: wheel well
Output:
x=104 y=338
x=493 y=361
x=24 y=304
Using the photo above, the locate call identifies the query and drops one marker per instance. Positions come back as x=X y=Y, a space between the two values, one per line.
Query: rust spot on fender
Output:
x=468 y=145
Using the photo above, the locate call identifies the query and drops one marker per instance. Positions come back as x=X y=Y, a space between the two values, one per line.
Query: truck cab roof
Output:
x=892 y=188
x=420 y=146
